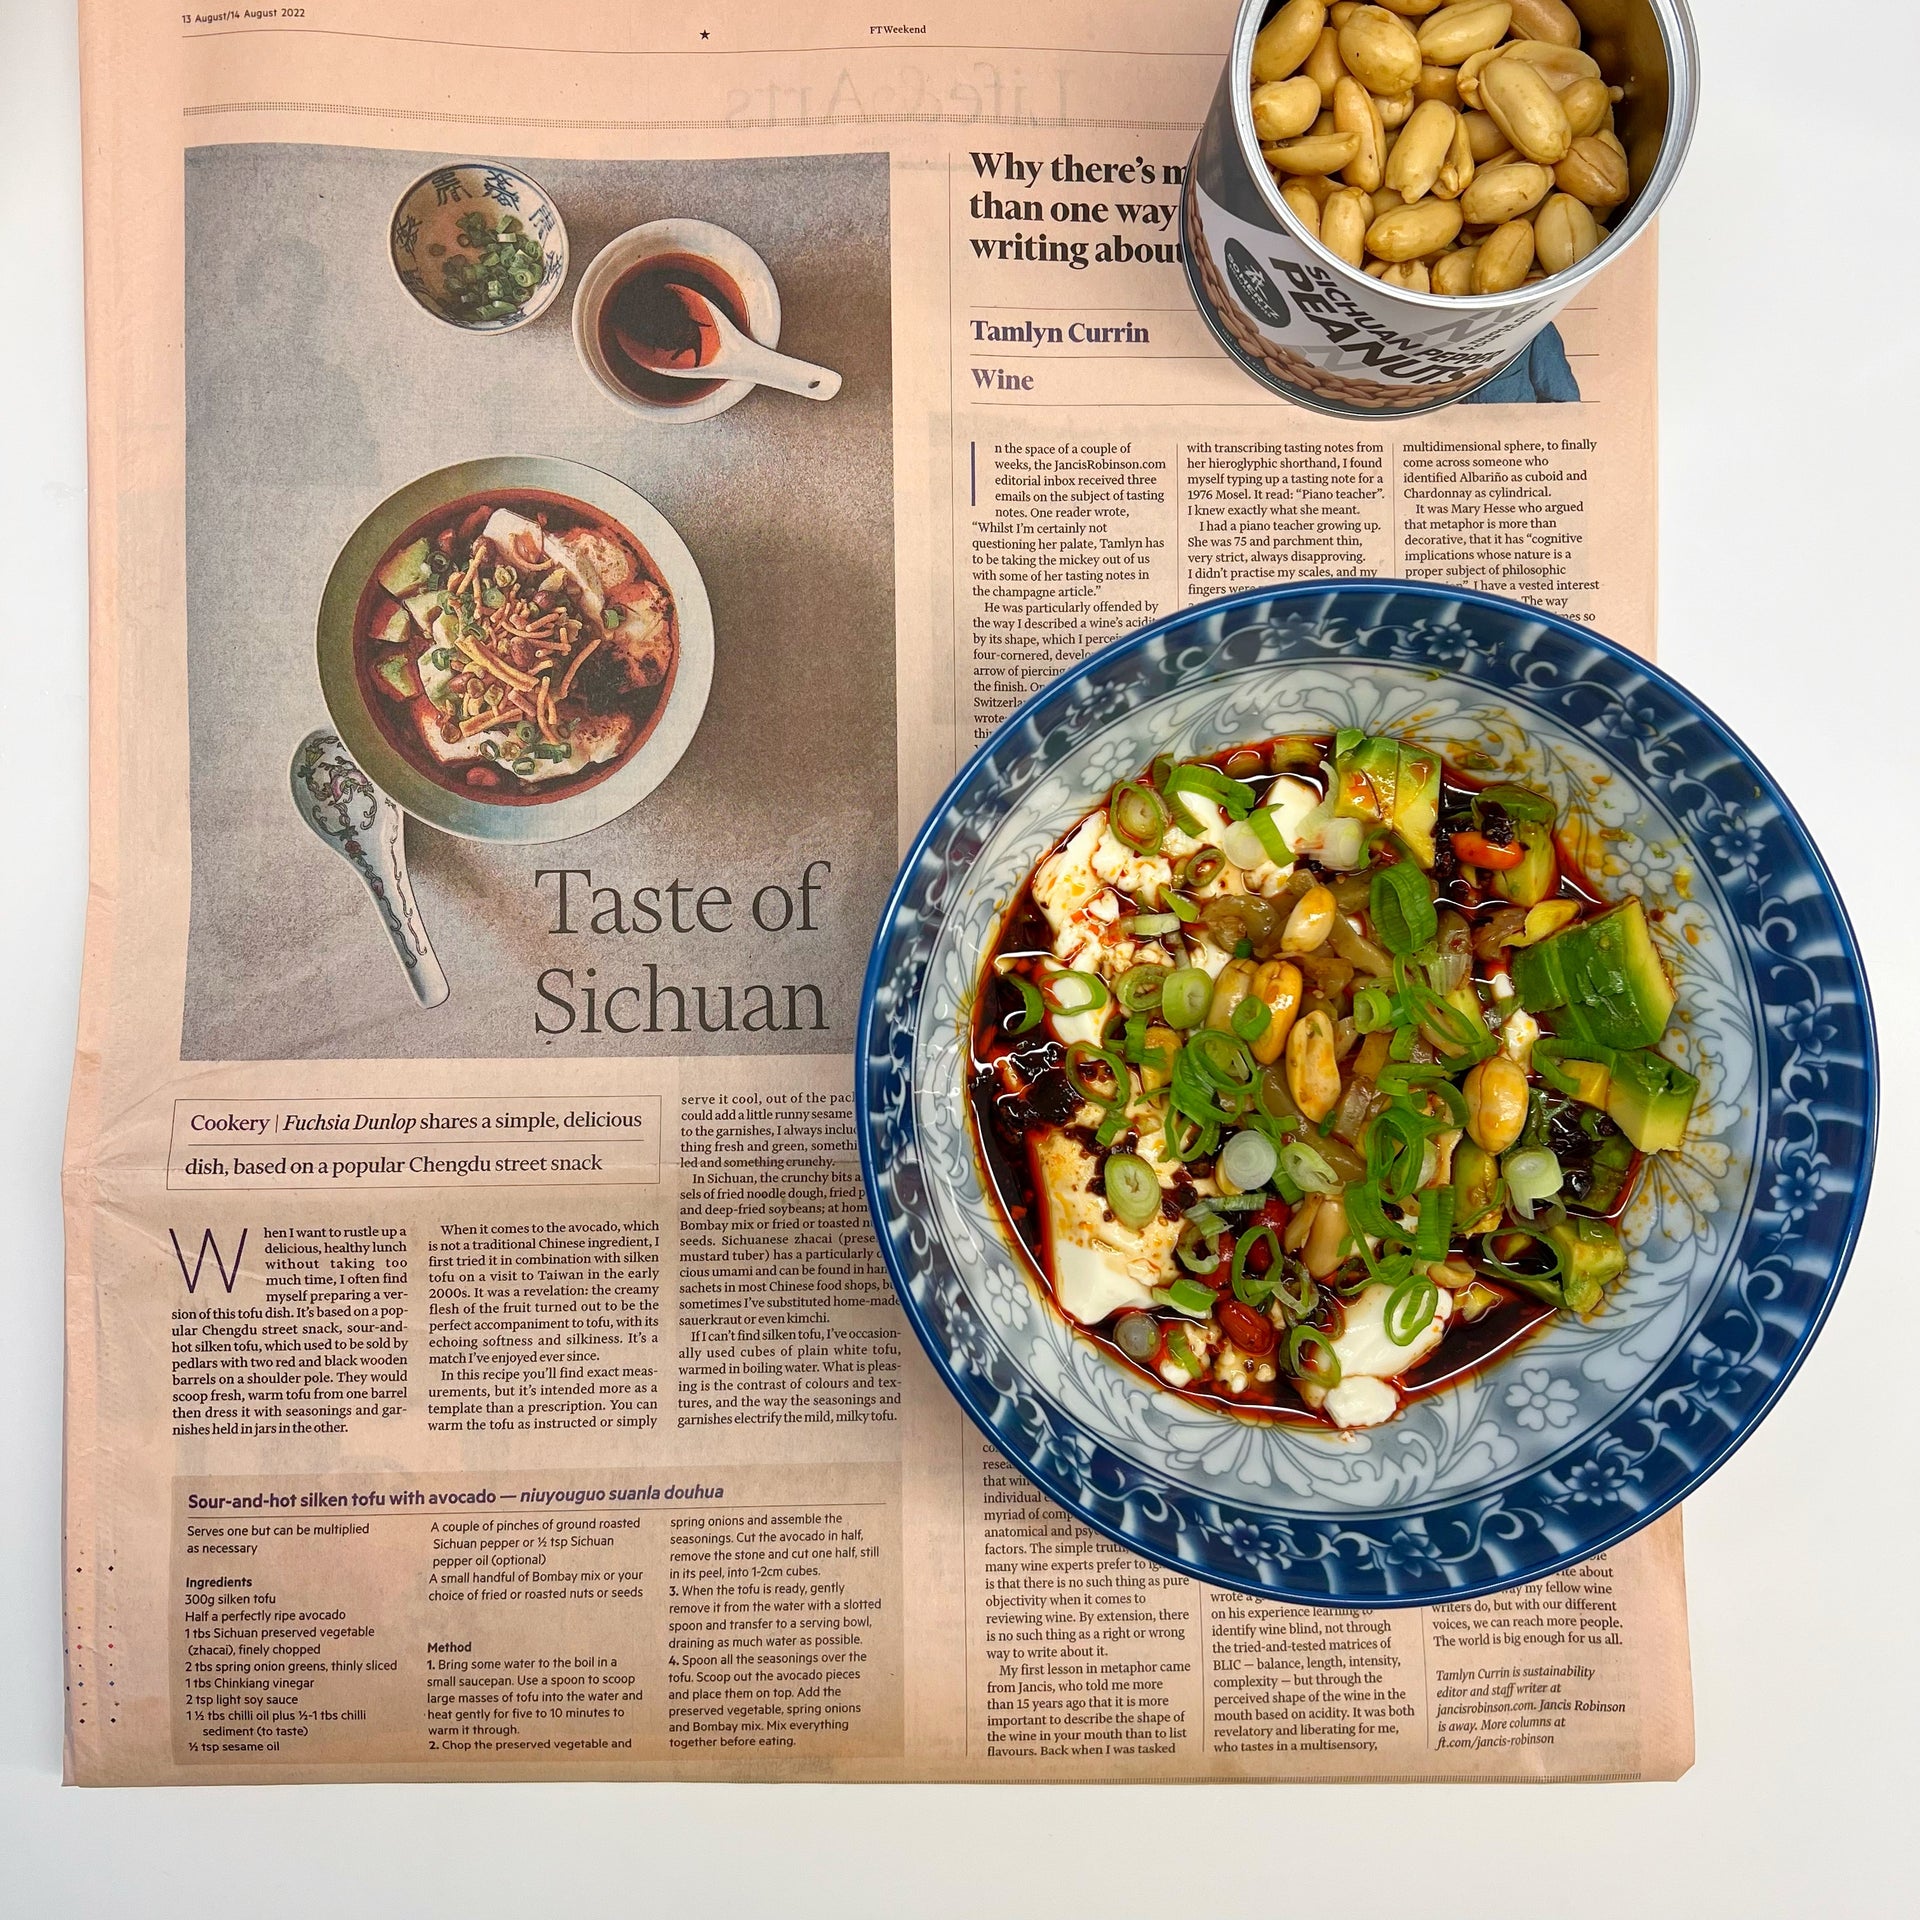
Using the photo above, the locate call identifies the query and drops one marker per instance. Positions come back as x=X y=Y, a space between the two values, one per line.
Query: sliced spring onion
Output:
x=1325 y=1371
x=1202 y=867
x=1436 y=1224
x=1248 y=1160
x=1198 y=1252
x=1302 y=1301
x=1265 y=825
x=1400 y=904
x=1138 y=989
x=1137 y=1335
x=1188 y=1297
x=1150 y=926
x=1133 y=1190
x=1078 y=1056
x=1032 y=1008
x=1138 y=816
x=1207 y=1218
x=1182 y=909
x=1185 y=996
x=1180 y=1353
x=1091 y=998
x=1243 y=845
x=1307 y=1168
x=1251 y=1018
x=1531 y=1174
x=1372 y=1009
x=1220 y=1060
x=1410 y=1307
x=1242 y=1252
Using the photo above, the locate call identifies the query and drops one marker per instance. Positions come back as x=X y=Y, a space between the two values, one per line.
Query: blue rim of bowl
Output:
x=1362 y=1526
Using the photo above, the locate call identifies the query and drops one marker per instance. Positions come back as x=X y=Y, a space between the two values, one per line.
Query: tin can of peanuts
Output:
x=1323 y=333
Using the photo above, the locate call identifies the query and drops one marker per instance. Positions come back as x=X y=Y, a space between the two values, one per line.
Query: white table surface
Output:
x=1788 y=524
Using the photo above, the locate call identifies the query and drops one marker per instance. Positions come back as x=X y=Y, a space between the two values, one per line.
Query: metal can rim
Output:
x=1683 y=97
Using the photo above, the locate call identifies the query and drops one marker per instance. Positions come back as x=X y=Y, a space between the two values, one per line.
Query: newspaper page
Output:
x=480 y=1363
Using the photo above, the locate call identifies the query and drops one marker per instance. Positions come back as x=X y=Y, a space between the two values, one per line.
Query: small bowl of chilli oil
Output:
x=479 y=246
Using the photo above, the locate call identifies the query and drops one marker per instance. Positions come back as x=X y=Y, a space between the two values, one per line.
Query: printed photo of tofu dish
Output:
x=1313 y=1075
x=516 y=648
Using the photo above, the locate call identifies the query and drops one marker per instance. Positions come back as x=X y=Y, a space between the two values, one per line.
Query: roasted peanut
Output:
x=1447 y=37
x=1586 y=105
x=1467 y=76
x=1286 y=40
x=1504 y=258
x=1407 y=233
x=1314 y=153
x=1546 y=20
x=1452 y=273
x=1306 y=208
x=1400 y=126
x=1355 y=113
x=1564 y=232
x=1344 y=221
x=1422 y=150
x=1277 y=985
x=1324 y=65
x=1526 y=109
x=1283 y=109
x=1313 y=1072
x=1594 y=172
x=1560 y=67
x=1380 y=51
x=1234 y=983
x=1326 y=1243
x=1312 y=917
x=1496 y=1095
x=1499 y=194
x=1483 y=136
x=1457 y=171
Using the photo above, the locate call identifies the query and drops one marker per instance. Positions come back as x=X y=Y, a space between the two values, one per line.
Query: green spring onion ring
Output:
x=1400 y=904
x=1243 y=1248
x=1182 y=1355
x=1201 y=867
x=1297 y=1306
x=1488 y=1262
x=1133 y=1189
x=1138 y=989
x=1139 y=816
x=1181 y=908
x=1307 y=1168
x=1221 y=1061
x=1083 y=1051
x=1323 y=1374
x=1410 y=1307
x=1251 y=1018
x=1095 y=997
x=1185 y=996
x=1545 y=1060
x=1149 y=926
x=1032 y=1008
x=1267 y=827
x=1188 y=1297
x=1372 y=1009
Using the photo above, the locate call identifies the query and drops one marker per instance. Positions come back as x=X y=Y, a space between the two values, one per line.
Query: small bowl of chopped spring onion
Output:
x=479 y=246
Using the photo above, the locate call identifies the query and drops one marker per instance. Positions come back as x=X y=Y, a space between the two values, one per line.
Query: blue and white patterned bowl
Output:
x=1738 y=1242
x=424 y=233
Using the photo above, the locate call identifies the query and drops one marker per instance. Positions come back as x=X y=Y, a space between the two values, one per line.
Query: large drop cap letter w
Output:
x=208 y=1244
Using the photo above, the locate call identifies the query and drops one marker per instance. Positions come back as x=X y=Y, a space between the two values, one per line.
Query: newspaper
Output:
x=480 y=1364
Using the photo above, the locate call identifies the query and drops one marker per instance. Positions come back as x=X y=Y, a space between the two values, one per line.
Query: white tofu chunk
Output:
x=1370 y=1360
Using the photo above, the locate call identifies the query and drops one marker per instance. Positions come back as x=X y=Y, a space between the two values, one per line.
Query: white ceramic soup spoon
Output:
x=723 y=352
x=347 y=811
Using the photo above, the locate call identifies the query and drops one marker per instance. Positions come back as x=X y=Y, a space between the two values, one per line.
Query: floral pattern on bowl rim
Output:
x=1738 y=1242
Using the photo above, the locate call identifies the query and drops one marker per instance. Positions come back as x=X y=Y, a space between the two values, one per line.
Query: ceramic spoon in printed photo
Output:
x=363 y=826
x=711 y=347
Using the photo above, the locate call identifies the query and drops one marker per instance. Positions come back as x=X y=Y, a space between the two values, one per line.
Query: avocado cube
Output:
x=408 y=570
x=1590 y=1078
x=1593 y=1256
x=390 y=624
x=1650 y=1100
x=1391 y=784
x=1605 y=974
